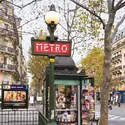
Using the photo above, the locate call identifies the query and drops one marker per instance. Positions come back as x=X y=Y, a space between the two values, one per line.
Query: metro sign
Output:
x=56 y=48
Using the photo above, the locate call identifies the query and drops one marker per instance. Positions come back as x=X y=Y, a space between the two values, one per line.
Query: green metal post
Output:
x=51 y=28
x=52 y=94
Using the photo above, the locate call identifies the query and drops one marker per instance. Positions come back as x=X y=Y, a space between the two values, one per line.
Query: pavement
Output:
x=122 y=105
x=116 y=116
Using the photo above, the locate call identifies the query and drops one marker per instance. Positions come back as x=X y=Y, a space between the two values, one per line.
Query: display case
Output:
x=87 y=102
x=66 y=104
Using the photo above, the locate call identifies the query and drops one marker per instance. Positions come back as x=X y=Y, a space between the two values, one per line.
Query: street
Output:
x=116 y=115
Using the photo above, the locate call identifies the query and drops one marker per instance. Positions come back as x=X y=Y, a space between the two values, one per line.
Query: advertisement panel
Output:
x=14 y=96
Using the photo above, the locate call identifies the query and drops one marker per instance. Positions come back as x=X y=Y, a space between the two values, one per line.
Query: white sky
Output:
x=30 y=12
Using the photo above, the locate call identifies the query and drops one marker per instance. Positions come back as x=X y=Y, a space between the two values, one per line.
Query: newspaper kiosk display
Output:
x=87 y=102
x=66 y=103
x=14 y=96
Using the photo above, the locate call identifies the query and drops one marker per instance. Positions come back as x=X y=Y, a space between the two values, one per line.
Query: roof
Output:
x=66 y=62
x=65 y=66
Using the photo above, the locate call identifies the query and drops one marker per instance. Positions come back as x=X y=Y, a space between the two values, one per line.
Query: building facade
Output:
x=118 y=60
x=12 y=62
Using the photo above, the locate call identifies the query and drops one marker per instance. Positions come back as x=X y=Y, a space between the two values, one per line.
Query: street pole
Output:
x=52 y=94
x=51 y=79
x=51 y=29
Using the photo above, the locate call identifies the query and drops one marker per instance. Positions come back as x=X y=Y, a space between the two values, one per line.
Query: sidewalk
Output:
x=36 y=107
x=122 y=105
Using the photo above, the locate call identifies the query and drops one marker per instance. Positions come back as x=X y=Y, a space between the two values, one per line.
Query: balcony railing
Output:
x=5 y=82
x=122 y=78
x=117 y=58
x=6 y=49
x=118 y=46
x=7 y=67
x=7 y=32
x=117 y=70
x=118 y=67
x=7 y=17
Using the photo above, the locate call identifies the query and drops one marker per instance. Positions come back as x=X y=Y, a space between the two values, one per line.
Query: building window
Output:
x=6 y=26
x=5 y=77
x=5 y=60
x=6 y=10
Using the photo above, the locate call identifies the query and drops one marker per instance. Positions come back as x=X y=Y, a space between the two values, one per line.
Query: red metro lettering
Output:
x=53 y=48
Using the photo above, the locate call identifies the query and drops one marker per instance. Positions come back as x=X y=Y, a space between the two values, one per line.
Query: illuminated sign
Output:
x=56 y=48
x=14 y=96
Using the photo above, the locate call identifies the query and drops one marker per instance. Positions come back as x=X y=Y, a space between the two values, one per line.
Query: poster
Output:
x=14 y=96
x=31 y=100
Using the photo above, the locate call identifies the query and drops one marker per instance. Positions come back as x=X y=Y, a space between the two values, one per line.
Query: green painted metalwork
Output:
x=43 y=120
x=67 y=82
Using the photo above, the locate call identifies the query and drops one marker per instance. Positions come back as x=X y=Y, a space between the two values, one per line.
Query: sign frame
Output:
x=14 y=104
x=48 y=53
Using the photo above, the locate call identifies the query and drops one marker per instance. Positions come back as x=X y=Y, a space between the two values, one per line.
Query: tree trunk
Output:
x=106 y=71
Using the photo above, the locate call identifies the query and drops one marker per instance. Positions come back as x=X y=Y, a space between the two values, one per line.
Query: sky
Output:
x=29 y=13
x=30 y=29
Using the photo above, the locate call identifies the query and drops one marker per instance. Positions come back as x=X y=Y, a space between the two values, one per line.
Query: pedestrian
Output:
x=109 y=102
x=116 y=98
x=119 y=100
x=32 y=100
x=111 y=98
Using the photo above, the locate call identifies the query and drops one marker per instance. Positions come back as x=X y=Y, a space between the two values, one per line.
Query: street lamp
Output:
x=52 y=19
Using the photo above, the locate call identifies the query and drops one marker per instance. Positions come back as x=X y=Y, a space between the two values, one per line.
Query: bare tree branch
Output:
x=1 y=1
x=29 y=3
x=113 y=2
x=21 y=7
x=29 y=21
x=116 y=28
x=14 y=4
x=63 y=27
x=117 y=5
x=110 y=5
x=76 y=8
x=90 y=12
x=121 y=5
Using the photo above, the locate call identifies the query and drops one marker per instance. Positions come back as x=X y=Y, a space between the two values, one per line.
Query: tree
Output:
x=74 y=28
x=93 y=64
x=37 y=66
x=1 y=1
x=113 y=7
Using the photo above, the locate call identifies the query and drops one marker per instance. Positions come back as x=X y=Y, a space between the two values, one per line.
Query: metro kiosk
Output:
x=14 y=96
x=74 y=94
x=68 y=97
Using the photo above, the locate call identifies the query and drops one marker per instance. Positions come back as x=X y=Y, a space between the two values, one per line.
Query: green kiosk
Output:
x=74 y=94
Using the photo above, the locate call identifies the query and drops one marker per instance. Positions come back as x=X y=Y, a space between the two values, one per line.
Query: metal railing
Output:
x=6 y=16
x=24 y=117
x=8 y=67
x=43 y=120
x=7 y=49
x=19 y=117
x=7 y=32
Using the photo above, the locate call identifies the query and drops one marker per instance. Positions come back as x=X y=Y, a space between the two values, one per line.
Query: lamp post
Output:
x=52 y=19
